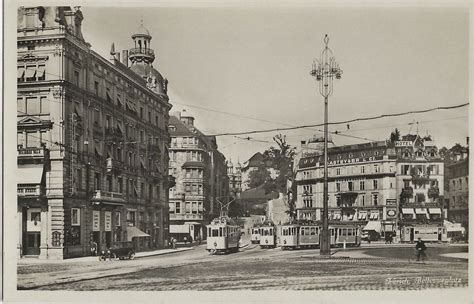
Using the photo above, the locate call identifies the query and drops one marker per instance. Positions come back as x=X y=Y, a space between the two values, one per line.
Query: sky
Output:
x=254 y=63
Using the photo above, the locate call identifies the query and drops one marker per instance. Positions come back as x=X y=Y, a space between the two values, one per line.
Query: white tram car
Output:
x=223 y=236
x=297 y=236
x=255 y=236
x=268 y=236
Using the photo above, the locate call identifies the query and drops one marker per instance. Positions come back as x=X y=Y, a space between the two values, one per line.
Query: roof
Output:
x=141 y=31
x=181 y=128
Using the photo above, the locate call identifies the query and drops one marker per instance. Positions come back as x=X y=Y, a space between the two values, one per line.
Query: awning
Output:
x=408 y=211
x=20 y=72
x=420 y=211
x=40 y=72
x=31 y=174
x=373 y=225
x=135 y=232
x=180 y=229
x=30 y=72
x=434 y=210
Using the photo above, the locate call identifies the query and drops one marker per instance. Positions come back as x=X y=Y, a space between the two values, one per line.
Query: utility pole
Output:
x=325 y=70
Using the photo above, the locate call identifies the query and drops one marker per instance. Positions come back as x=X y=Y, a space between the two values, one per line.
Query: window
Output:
x=118 y=217
x=178 y=207
x=120 y=184
x=76 y=78
x=108 y=95
x=141 y=112
x=338 y=187
x=362 y=200
x=362 y=185
x=109 y=183
x=78 y=179
x=405 y=169
x=32 y=140
x=96 y=87
x=350 y=186
x=33 y=106
x=338 y=171
x=376 y=169
x=75 y=217
x=97 y=181
x=308 y=202
x=362 y=169
x=131 y=218
x=307 y=189
x=376 y=184
x=375 y=199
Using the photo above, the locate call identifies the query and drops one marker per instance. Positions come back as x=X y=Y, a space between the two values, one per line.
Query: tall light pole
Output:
x=325 y=70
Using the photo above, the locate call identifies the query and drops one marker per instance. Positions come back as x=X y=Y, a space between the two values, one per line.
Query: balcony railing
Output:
x=30 y=152
x=433 y=192
x=186 y=216
x=106 y=195
x=29 y=191
x=114 y=165
x=186 y=146
x=141 y=51
x=407 y=192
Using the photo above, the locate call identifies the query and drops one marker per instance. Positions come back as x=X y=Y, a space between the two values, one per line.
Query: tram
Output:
x=223 y=236
x=268 y=238
x=255 y=236
x=308 y=235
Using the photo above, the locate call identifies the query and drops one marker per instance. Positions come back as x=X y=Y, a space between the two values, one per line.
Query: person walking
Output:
x=420 y=248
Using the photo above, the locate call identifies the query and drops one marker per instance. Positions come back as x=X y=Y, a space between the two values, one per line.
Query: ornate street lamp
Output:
x=325 y=70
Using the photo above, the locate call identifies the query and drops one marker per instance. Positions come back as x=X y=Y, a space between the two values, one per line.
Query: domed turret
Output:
x=142 y=57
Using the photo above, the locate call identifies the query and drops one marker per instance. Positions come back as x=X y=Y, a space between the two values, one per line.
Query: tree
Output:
x=395 y=136
x=280 y=159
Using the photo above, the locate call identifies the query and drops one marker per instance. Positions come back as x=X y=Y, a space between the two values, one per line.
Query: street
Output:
x=374 y=266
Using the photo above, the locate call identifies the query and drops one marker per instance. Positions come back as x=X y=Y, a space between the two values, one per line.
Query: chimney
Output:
x=467 y=141
x=303 y=142
x=125 y=57
x=117 y=55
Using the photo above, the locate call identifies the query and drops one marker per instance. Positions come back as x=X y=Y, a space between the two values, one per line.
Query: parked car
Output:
x=122 y=250
x=370 y=235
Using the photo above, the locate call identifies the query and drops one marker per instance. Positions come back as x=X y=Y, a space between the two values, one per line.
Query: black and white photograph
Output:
x=236 y=152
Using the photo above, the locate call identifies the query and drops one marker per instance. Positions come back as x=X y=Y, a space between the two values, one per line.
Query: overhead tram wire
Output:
x=343 y=122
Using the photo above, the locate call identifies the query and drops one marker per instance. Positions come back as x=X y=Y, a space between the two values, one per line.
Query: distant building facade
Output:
x=200 y=174
x=92 y=140
x=252 y=164
x=235 y=178
x=457 y=195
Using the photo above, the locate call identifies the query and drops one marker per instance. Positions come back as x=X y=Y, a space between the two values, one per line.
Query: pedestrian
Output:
x=420 y=249
x=185 y=239
x=173 y=241
x=199 y=238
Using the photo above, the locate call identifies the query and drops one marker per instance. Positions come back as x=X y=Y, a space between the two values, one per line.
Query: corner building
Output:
x=361 y=186
x=92 y=140
x=380 y=186
x=200 y=174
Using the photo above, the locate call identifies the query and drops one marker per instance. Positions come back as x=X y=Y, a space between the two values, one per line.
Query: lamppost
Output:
x=325 y=70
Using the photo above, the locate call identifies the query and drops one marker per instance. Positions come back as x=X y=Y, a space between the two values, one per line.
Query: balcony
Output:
x=193 y=179
x=113 y=134
x=97 y=131
x=433 y=192
x=29 y=191
x=114 y=165
x=141 y=52
x=187 y=216
x=106 y=196
x=407 y=192
x=30 y=153
x=186 y=146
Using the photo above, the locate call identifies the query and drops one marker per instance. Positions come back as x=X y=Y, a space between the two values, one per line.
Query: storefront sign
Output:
x=108 y=221
x=353 y=160
x=95 y=220
x=404 y=143
x=391 y=202
x=391 y=213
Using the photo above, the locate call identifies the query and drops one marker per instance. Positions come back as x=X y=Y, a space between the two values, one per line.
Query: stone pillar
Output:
x=20 y=232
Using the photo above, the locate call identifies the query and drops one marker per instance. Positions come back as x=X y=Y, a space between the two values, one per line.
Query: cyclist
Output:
x=420 y=250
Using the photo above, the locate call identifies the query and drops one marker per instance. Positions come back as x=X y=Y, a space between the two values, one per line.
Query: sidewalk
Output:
x=89 y=259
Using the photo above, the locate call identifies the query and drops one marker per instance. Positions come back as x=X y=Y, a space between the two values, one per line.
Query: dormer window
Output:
x=419 y=153
x=171 y=128
x=406 y=153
